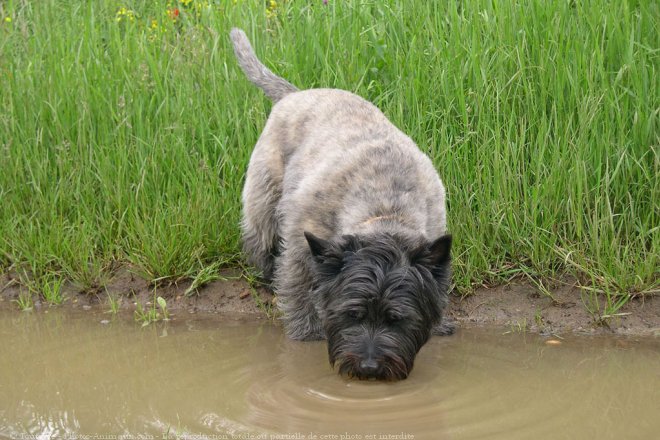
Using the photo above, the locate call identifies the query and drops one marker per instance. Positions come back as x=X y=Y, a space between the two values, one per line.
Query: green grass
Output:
x=120 y=144
x=25 y=302
x=114 y=303
x=51 y=289
x=204 y=276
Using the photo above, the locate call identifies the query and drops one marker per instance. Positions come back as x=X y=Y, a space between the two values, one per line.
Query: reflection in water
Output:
x=64 y=374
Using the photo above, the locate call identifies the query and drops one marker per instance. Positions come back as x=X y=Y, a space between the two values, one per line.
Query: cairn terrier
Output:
x=346 y=216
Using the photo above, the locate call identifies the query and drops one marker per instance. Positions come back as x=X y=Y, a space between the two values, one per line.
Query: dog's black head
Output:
x=378 y=297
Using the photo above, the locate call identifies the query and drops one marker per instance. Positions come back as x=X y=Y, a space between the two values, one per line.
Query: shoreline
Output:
x=514 y=307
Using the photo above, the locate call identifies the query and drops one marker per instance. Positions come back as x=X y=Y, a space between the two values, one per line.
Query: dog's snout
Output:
x=369 y=366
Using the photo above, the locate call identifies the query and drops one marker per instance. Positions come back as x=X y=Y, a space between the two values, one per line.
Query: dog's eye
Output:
x=394 y=317
x=356 y=314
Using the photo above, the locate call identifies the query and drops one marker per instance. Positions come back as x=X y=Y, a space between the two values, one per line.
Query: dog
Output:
x=346 y=217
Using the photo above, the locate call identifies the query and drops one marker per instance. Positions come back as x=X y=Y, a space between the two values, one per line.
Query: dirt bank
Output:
x=513 y=307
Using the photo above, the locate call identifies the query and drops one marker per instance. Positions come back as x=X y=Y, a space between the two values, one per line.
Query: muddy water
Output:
x=62 y=375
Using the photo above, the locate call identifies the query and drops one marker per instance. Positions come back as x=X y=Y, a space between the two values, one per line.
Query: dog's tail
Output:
x=273 y=86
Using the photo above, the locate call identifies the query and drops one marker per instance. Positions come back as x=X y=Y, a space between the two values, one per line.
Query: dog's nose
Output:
x=369 y=366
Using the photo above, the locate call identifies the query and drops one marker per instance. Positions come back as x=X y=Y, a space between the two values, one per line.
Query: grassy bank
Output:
x=126 y=127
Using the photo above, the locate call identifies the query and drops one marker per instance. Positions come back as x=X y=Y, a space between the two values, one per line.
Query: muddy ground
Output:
x=513 y=307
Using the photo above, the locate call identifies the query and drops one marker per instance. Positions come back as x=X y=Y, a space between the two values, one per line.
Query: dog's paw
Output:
x=446 y=327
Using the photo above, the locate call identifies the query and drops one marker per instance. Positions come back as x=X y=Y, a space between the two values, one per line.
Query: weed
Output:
x=25 y=301
x=265 y=306
x=603 y=305
x=204 y=276
x=150 y=314
x=114 y=302
x=534 y=279
x=517 y=327
x=163 y=308
x=538 y=319
x=146 y=315
x=51 y=289
x=253 y=278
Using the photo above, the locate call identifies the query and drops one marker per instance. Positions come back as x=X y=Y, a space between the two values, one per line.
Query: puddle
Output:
x=68 y=375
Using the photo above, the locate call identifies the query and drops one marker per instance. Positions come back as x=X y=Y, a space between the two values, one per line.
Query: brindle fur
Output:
x=346 y=216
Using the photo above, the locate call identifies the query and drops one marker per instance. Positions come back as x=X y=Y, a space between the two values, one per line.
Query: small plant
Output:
x=114 y=303
x=613 y=303
x=253 y=279
x=51 y=290
x=146 y=315
x=265 y=306
x=163 y=308
x=205 y=276
x=538 y=318
x=25 y=301
x=517 y=327
x=151 y=314
x=534 y=279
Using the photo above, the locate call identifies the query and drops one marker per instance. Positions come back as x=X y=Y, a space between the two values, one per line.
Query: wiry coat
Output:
x=331 y=164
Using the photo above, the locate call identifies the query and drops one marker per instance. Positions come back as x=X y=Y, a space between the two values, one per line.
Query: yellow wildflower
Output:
x=271 y=9
x=123 y=12
x=7 y=19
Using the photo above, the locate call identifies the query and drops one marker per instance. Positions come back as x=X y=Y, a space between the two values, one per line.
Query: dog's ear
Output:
x=435 y=253
x=440 y=250
x=327 y=254
x=319 y=247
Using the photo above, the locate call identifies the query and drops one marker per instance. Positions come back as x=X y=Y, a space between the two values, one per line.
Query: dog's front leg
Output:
x=293 y=284
x=445 y=327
